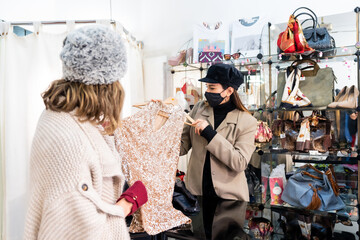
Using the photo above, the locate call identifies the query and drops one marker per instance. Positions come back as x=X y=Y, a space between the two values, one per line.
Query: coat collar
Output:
x=231 y=117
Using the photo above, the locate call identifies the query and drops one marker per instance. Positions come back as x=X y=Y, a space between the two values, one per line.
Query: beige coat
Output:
x=230 y=152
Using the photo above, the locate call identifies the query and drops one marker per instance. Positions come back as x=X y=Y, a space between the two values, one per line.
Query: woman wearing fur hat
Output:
x=75 y=172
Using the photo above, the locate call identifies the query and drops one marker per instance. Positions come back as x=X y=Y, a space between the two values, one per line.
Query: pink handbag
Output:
x=263 y=132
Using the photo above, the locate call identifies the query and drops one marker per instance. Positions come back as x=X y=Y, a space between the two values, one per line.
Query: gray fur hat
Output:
x=93 y=55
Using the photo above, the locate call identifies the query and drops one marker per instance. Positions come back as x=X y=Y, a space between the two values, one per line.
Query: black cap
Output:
x=225 y=74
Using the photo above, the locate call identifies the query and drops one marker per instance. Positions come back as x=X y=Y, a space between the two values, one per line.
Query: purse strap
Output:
x=308 y=9
x=309 y=19
x=330 y=173
x=300 y=119
x=310 y=175
x=315 y=67
x=319 y=116
x=313 y=168
x=313 y=16
x=271 y=95
x=315 y=203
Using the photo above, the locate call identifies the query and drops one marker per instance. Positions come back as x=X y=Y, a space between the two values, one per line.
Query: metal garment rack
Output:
x=61 y=22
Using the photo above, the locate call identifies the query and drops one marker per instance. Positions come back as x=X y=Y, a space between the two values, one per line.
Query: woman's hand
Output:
x=200 y=124
x=126 y=205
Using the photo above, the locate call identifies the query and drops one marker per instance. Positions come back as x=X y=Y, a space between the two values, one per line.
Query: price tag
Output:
x=282 y=135
x=313 y=152
x=302 y=78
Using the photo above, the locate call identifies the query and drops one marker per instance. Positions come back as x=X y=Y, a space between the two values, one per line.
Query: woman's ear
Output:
x=230 y=90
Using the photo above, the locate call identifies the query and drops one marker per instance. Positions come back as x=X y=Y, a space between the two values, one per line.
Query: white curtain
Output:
x=27 y=66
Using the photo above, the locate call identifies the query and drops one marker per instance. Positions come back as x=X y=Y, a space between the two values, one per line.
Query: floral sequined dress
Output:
x=152 y=156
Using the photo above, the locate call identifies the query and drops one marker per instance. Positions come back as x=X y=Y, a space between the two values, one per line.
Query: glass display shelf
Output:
x=348 y=52
x=324 y=108
x=323 y=158
x=287 y=208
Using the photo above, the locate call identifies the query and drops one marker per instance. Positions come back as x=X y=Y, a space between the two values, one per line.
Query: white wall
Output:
x=154 y=75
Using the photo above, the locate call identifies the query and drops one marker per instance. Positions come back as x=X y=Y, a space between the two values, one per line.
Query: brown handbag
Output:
x=321 y=139
x=287 y=118
x=320 y=132
x=287 y=128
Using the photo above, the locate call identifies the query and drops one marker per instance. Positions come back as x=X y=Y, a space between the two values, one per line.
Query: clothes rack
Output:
x=59 y=22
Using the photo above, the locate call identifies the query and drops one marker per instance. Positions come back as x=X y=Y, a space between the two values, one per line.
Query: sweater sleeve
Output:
x=74 y=216
x=236 y=156
x=208 y=133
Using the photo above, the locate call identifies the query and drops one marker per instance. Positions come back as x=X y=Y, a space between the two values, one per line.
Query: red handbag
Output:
x=292 y=40
x=263 y=132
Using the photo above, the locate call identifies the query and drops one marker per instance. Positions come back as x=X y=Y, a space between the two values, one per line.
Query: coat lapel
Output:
x=231 y=118
x=208 y=113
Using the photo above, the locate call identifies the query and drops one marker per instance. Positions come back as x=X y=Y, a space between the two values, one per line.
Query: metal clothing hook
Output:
x=4 y=28
x=70 y=24
x=37 y=26
x=119 y=28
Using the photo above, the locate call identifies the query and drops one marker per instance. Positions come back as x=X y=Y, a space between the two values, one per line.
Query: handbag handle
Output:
x=268 y=99
x=313 y=168
x=309 y=19
x=298 y=62
x=330 y=173
x=314 y=24
x=308 y=9
x=320 y=116
x=310 y=175
x=301 y=116
x=314 y=17
x=315 y=67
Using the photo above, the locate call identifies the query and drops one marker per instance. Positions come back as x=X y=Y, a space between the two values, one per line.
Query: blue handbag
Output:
x=313 y=189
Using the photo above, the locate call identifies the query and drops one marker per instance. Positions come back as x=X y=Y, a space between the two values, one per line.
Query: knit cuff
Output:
x=208 y=133
x=136 y=194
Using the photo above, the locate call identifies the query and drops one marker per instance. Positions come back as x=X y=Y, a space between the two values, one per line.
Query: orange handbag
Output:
x=292 y=40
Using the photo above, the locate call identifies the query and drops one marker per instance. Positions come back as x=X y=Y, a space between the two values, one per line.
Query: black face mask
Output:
x=214 y=99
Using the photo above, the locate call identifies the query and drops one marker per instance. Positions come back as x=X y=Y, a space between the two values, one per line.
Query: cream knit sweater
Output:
x=75 y=180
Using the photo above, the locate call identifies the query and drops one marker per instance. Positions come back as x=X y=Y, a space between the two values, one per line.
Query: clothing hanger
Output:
x=170 y=100
x=215 y=27
x=190 y=120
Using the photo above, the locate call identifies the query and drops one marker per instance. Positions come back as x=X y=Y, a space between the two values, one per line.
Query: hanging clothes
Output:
x=150 y=154
x=208 y=38
x=292 y=95
x=248 y=34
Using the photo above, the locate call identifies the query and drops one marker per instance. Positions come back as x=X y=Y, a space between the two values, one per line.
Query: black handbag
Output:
x=183 y=200
x=317 y=37
x=252 y=181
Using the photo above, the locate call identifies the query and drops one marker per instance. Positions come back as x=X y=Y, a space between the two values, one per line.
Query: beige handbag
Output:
x=316 y=84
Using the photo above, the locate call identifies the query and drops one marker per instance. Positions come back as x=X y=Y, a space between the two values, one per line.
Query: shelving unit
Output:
x=269 y=65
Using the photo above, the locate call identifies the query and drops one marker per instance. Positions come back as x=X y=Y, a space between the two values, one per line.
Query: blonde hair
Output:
x=95 y=103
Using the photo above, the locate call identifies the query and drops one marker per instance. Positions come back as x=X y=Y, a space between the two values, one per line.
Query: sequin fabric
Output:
x=152 y=156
